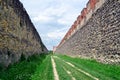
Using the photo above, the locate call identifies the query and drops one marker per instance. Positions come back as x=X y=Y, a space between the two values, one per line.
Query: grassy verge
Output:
x=101 y=71
x=22 y=70
x=44 y=71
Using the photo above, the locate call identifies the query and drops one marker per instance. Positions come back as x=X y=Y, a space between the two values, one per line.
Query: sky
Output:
x=53 y=18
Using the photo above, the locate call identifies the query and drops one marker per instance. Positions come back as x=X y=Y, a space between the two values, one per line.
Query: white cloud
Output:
x=49 y=14
x=58 y=10
x=67 y=19
x=57 y=34
x=42 y=18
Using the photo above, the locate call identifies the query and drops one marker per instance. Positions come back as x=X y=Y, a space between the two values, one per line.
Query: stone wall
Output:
x=17 y=33
x=97 y=35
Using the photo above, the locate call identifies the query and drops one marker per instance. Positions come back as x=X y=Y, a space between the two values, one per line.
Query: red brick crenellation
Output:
x=90 y=6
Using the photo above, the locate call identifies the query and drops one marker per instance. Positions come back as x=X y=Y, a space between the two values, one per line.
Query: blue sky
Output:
x=53 y=18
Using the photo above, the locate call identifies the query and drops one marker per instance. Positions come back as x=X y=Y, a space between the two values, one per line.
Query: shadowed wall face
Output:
x=99 y=37
x=17 y=33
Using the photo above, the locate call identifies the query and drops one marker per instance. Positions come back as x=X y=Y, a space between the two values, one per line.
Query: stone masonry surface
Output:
x=99 y=37
x=17 y=33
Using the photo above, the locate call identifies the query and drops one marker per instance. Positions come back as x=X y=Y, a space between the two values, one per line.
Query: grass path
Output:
x=68 y=72
x=56 y=77
x=82 y=71
x=59 y=67
x=86 y=73
x=96 y=69
x=74 y=72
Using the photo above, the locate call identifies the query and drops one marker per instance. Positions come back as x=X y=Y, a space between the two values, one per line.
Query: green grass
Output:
x=39 y=67
x=44 y=71
x=99 y=70
x=22 y=70
x=74 y=72
x=61 y=72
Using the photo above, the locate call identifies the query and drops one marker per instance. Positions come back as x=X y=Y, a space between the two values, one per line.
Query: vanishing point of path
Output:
x=64 y=70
